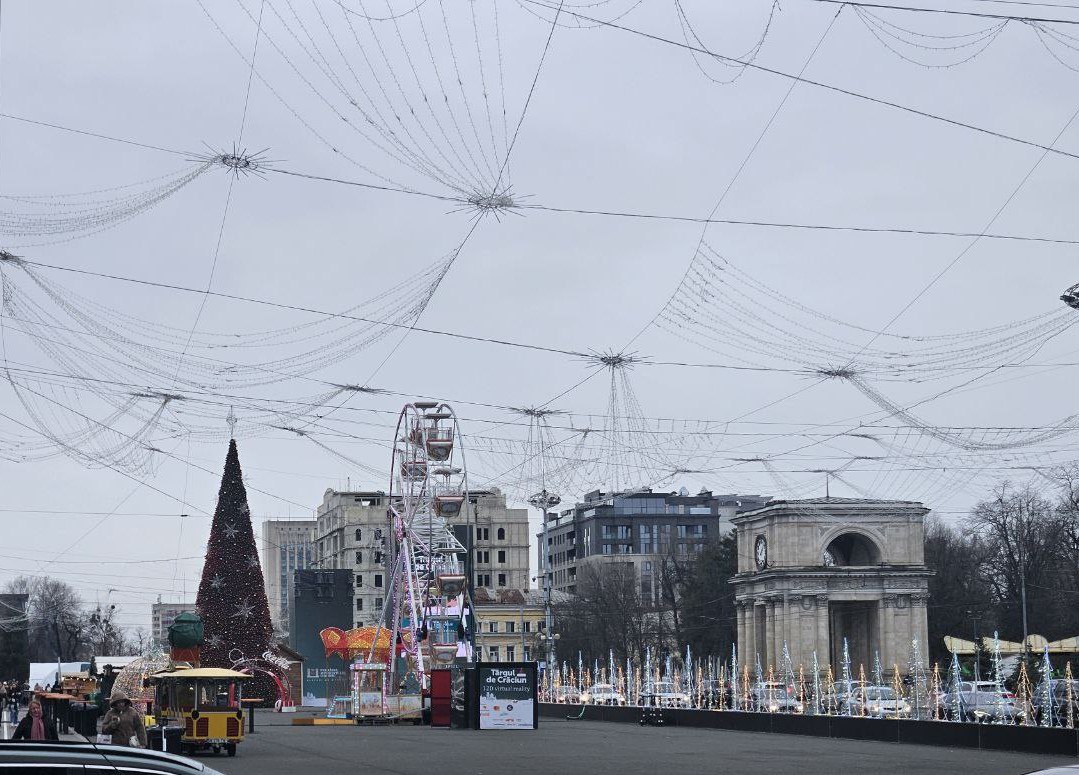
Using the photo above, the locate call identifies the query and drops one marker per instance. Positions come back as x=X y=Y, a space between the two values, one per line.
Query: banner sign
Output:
x=507 y=695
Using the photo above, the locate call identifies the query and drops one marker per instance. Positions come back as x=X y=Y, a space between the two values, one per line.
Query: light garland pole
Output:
x=545 y=501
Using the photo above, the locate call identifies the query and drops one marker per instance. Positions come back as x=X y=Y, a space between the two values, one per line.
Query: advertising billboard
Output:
x=507 y=695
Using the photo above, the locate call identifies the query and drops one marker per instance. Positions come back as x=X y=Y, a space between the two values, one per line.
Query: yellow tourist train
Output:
x=204 y=703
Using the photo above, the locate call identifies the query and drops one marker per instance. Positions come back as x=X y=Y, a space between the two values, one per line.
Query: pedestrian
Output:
x=13 y=704
x=123 y=722
x=35 y=726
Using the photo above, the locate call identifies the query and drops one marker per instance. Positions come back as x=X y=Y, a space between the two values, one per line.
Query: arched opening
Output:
x=851 y=549
x=501 y=535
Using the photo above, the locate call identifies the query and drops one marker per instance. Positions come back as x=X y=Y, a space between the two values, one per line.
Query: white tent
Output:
x=48 y=673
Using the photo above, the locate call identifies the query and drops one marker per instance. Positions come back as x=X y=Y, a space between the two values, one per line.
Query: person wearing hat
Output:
x=123 y=721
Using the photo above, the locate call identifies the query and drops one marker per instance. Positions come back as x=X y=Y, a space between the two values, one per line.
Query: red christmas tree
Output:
x=232 y=594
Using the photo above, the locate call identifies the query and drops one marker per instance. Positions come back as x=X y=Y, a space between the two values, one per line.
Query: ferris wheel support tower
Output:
x=428 y=606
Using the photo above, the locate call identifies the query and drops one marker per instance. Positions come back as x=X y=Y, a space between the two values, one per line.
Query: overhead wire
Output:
x=654 y=37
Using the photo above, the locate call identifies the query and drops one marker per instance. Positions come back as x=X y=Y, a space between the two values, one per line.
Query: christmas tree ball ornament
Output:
x=232 y=595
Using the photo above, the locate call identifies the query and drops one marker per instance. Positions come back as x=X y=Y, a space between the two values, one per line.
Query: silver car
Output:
x=881 y=702
x=602 y=694
x=664 y=695
x=774 y=697
x=984 y=706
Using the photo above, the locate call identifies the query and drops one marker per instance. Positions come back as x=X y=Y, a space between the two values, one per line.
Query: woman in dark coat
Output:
x=35 y=726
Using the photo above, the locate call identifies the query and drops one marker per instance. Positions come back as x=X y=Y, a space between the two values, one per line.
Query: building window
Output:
x=483 y=579
x=359 y=604
x=359 y=534
x=483 y=558
x=501 y=579
x=378 y=580
x=483 y=534
x=359 y=558
x=528 y=654
x=501 y=534
x=510 y=653
x=492 y=626
x=493 y=652
x=359 y=580
x=502 y=557
x=528 y=625
x=378 y=603
x=607 y=549
x=379 y=559
x=510 y=627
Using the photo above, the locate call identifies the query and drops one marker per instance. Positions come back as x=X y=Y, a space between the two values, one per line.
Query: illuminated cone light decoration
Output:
x=232 y=594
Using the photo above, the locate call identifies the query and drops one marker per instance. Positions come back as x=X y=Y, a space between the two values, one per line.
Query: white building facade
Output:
x=287 y=546
x=352 y=531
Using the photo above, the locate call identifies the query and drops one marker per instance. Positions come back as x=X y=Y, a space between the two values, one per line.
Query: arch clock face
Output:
x=760 y=552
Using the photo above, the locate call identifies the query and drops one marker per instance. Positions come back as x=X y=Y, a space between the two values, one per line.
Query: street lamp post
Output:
x=974 y=614
x=544 y=501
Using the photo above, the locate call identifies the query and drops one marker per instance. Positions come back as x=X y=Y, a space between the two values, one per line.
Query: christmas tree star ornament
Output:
x=244 y=610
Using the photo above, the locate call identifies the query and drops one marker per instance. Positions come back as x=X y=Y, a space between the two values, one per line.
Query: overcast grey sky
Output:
x=616 y=122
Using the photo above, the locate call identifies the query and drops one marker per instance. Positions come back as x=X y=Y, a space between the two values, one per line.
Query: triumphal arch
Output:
x=813 y=572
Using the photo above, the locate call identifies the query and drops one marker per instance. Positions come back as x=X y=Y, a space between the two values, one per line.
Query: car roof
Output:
x=61 y=752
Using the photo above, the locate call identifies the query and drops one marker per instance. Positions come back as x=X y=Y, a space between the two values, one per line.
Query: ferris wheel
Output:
x=427 y=601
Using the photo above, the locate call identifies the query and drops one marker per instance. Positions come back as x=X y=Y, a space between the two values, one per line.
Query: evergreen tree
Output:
x=232 y=594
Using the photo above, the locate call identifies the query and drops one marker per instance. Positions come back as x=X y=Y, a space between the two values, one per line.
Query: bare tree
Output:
x=961 y=599
x=1022 y=535
x=606 y=614
x=58 y=622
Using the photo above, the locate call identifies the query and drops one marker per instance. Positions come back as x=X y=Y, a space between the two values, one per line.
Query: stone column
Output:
x=822 y=642
x=888 y=652
x=770 y=636
x=919 y=623
x=740 y=617
x=751 y=646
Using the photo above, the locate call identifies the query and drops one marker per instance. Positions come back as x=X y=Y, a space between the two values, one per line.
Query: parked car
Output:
x=569 y=695
x=602 y=694
x=983 y=706
x=836 y=701
x=663 y=694
x=879 y=701
x=1060 y=694
x=62 y=758
x=774 y=697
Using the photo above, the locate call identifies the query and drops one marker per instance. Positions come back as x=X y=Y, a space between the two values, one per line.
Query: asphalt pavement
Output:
x=561 y=747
